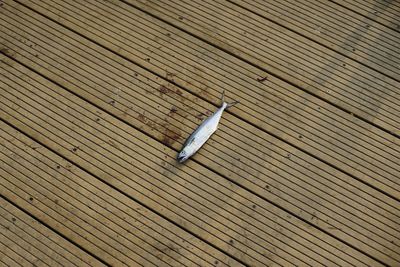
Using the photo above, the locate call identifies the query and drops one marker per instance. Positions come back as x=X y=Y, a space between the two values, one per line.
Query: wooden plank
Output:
x=384 y=12
x=282 y=110
x=7 y=259
x=382 y=144
x=199 y=200
x=302 y=195
x=32 y=238
x=14 y=252
x=317 y=70
x=337 y=28
x=109 y=224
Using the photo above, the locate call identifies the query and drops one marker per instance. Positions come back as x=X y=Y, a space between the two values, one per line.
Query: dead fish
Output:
x=203 y=132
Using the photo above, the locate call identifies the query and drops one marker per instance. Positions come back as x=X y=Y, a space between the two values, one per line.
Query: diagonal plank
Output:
x=13 y=254
x=308 y=65
x=384 y=12
x=9 y=258
x=200 y=201
x=36 y=244
x=337 y=28
x=331 y=135
x=347 y=219
x=97 y=217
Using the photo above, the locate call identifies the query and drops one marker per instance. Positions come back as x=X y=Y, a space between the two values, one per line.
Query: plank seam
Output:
x=357 y=12
x=365 y=86
x=44 y=224
x=120 y=191
x=188 y=212
x=5 y=256
x=134 y=62
x=342 y=136
x=248 y=62
x=377 y=167
x=24 y=256
x=293 y=214
x=100 y=197
x=38 y=242
x=100 y=223
x=171 y=81
x=300 y=208
x=296 y=60
x=316 y=41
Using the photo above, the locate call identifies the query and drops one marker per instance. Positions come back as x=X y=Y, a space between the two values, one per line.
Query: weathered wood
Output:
x=384 y=12
x=199 y=200
x=35 y=243
x=91 y=213
x=337 y=28
x=308 y=65
x=310 y=124
x=113 y=118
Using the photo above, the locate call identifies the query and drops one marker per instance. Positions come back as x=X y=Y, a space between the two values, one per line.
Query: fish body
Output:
x=197 y=139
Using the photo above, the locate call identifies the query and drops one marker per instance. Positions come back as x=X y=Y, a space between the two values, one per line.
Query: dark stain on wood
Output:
x=200 y=116
x=170 y=75
x=173 y=110
x=141 y=118
x=170 y=137
x=168 y=250
x=112 y=143
x=163 y=90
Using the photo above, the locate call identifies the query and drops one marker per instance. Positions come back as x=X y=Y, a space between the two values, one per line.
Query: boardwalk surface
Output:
x=98 y=96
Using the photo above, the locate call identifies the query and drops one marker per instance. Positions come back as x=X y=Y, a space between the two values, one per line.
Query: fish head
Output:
x=182 y=156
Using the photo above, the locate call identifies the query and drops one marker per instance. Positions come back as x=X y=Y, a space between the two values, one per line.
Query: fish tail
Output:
x=228 y=105
x=232 y=104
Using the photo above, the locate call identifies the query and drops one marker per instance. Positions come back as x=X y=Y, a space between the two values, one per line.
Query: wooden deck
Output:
x=97 y=97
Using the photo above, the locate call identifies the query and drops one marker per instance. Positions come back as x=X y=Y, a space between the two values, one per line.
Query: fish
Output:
x=203 y=132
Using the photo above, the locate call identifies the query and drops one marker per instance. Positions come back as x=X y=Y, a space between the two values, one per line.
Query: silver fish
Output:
x=203 y=132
